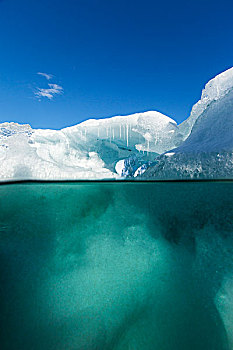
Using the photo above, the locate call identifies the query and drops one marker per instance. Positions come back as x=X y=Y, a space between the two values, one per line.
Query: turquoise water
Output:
x=116 y=266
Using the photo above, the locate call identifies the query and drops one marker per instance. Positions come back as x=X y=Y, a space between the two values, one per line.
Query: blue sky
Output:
x=108 y=57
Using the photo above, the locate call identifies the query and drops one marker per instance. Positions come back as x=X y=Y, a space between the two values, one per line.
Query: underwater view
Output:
x=116 y=265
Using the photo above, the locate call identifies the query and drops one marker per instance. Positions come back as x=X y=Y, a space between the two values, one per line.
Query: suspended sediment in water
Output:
x=116 y=266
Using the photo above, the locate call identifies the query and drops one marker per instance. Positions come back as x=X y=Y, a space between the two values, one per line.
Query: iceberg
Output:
x=214 y=90
x=207 y=149
x=142 y=145
x=89 y=150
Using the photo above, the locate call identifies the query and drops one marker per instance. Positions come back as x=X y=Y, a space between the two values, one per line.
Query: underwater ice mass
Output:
x=116 y=266
x=145 y=145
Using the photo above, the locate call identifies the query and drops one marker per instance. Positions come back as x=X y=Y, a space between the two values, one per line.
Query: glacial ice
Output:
x=214 y=90
x=89 y=150
x=144 y=145
x=207 y=151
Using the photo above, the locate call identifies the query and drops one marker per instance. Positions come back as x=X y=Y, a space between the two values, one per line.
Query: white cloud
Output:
x=47 y=76
x=50 y=91
x=54 y=89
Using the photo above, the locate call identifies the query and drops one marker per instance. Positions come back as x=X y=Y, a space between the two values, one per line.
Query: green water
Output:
x=116 y=266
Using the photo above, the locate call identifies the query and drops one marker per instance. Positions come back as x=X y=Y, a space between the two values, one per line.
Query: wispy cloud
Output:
x=46 y=75
x=53 y=89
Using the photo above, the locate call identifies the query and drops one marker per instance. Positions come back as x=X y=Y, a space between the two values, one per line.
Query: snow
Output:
x=89 y=150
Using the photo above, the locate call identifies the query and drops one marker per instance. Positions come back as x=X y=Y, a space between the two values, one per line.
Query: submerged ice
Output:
x=116 y=266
